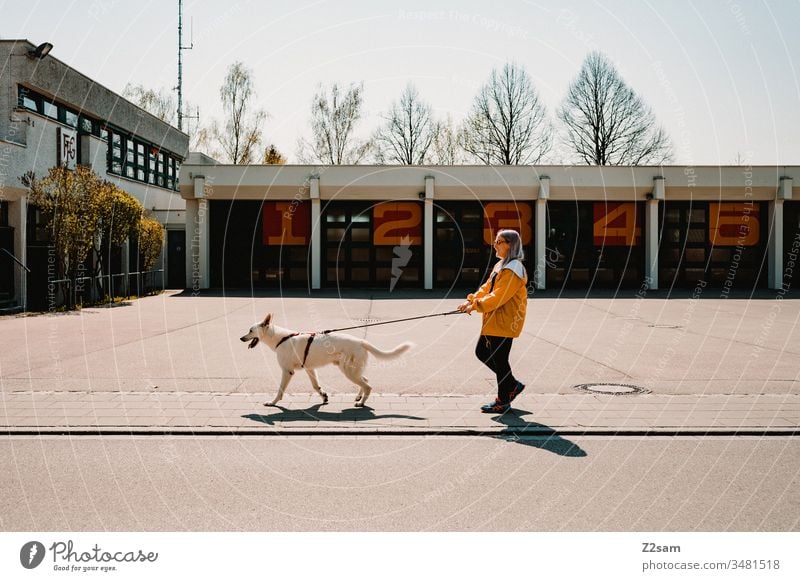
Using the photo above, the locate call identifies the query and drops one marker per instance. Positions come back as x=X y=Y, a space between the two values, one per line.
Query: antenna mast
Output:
x=181 y=48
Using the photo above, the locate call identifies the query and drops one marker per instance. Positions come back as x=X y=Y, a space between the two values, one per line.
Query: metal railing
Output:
x=17 y=260
x=146 y=281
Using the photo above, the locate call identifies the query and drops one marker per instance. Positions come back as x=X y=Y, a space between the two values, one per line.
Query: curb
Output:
x=415 y=432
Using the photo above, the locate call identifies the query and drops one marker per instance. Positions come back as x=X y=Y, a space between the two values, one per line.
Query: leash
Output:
x=389 y=322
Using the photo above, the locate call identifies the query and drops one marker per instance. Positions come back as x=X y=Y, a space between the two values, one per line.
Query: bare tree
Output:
x=159 y=103
x=447 y=145
x=407 y=134
x=239 y=135
x=508 y=122
x=162 y=104
x=333 y=119
x=607 y=123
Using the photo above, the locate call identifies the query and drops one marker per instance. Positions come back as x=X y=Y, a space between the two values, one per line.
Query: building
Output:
x=51 y=114
x=387 y=227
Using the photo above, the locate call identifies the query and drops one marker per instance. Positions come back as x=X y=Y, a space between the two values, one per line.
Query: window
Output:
x=129 y=157
x=160 y=171
x=50 y=110
x=33 y=101
x=27 y=99
x=70 y=118
x=115 y=153
x=151 y=166
x=141 y=162
x=144 y=162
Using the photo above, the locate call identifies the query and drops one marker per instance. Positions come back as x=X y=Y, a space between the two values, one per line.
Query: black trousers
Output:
x=494 y=352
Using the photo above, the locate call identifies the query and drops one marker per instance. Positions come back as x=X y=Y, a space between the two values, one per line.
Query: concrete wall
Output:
x=486 y=183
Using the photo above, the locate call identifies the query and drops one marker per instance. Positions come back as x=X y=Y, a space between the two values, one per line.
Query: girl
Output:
x=503 y=300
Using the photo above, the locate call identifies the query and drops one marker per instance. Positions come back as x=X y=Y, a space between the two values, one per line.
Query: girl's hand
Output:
x=466 y=307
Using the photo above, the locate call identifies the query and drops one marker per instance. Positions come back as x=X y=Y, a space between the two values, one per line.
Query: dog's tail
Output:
x=397 y=351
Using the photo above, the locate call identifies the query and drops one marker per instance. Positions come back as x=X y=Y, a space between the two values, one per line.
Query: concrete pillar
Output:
x=659 y=194
x=198 y=274
x=428 y=234
x=775 y=245
x=192 y=246
x=651 y=244
x=540 y=234
x=18 y=219
x=316 y=234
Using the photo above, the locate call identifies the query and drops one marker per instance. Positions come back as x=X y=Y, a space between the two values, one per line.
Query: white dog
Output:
x=309 y=351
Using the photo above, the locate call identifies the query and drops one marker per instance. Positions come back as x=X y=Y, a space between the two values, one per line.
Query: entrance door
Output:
x=461 y=257
x=595 y=245
x=721 y=243
x=176 y=258
x=373 y=245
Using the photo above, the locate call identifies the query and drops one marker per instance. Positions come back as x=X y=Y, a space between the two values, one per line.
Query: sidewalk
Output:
x=244 y=414
x=174 y=364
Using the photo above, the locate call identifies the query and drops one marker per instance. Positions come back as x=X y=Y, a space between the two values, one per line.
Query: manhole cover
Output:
x=367 y=320
x=612 y=388
x=664 y=326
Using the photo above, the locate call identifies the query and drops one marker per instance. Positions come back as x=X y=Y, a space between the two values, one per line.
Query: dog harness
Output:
x=308 y=345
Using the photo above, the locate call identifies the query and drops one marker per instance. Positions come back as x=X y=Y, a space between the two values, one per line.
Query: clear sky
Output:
x=722 y=76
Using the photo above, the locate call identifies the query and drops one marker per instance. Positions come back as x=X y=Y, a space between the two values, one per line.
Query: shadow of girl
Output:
x=536 y=435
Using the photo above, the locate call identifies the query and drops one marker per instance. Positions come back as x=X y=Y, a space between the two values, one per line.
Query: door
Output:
x=176 y=258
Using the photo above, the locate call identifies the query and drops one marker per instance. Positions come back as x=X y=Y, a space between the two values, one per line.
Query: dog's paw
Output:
x=270 y=404
x=359 y=404
x=324 y=398
x=358 y=397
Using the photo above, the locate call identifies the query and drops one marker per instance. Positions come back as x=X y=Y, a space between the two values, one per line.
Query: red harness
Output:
x=308 y=345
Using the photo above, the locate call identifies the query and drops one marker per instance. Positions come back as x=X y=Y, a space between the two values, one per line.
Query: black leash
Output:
x=389 y=322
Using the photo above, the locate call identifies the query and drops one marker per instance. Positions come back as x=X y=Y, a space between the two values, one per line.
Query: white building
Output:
x=386 y=227
x=52 y=114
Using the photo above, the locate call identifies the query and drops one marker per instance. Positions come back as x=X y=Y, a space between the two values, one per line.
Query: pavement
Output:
x=638 y=363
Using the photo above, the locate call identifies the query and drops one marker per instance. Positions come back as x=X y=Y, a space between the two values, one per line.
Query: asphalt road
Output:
x=402 y=483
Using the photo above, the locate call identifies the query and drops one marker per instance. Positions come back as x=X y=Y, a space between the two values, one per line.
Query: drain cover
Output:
x=367 y=320
x=657 y=326
x=612 y=388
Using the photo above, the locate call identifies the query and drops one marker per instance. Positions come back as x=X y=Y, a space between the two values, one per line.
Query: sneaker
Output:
x=495 y=407
x=516 y=391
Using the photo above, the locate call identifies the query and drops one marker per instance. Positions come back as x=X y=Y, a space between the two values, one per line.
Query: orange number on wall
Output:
x=616 y=224
x=286 y=223
x=507 y=216
x=396 y=221
x=733 y=224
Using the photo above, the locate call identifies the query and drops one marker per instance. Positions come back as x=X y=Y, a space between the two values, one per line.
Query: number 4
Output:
x=618 y=224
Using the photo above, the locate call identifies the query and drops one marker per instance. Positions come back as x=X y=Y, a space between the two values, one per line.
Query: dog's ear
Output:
x=267 y=319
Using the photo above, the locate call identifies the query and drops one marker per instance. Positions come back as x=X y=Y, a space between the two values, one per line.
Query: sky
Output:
x=721 y=76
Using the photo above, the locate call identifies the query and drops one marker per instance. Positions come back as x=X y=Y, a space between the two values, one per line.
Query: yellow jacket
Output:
x=503 y=300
